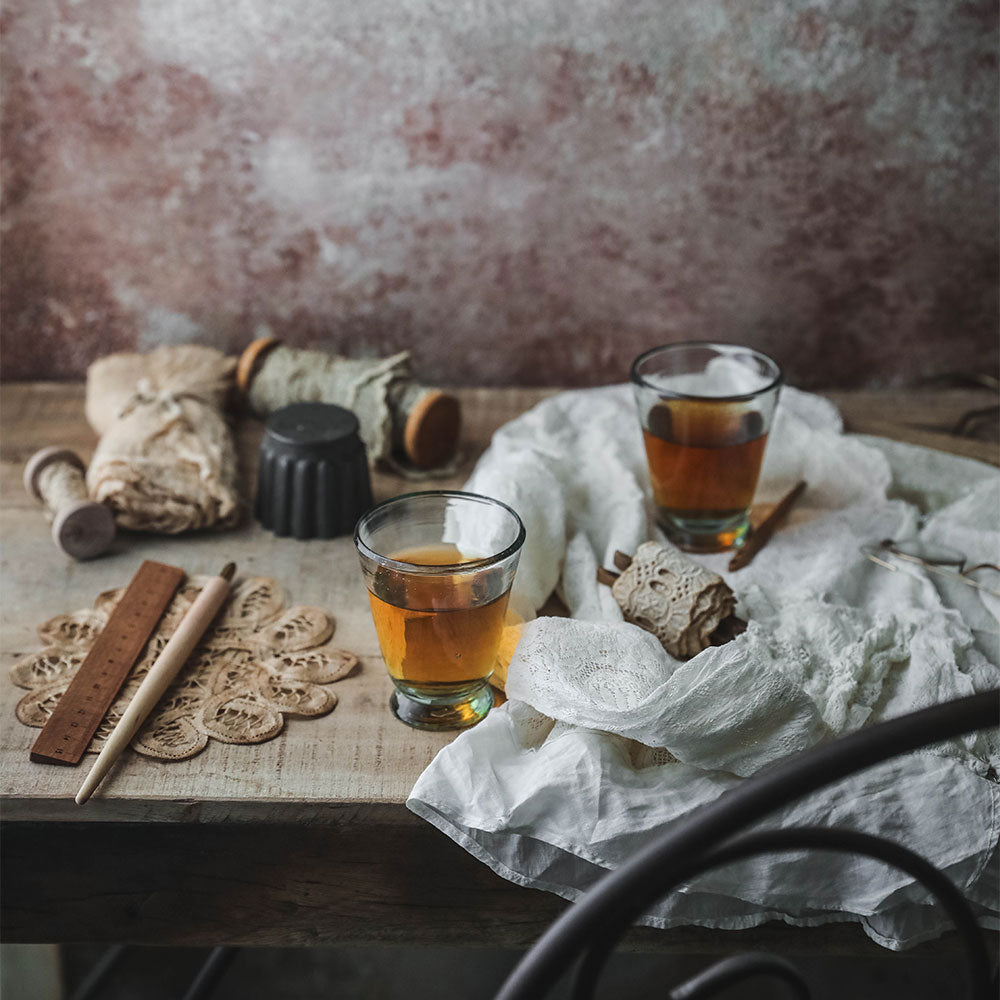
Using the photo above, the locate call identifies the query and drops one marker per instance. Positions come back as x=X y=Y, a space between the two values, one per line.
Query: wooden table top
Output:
x=349 y=771
x=358 y=756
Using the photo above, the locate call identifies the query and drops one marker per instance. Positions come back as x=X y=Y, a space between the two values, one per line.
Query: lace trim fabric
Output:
x=257 y=664
x=679 y=601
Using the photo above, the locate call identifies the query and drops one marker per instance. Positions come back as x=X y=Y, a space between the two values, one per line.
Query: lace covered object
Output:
x=675 y=598
x=255 y=665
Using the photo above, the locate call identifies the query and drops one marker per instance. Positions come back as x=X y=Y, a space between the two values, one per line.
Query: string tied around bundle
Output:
x=166 y=461
x=146 y=394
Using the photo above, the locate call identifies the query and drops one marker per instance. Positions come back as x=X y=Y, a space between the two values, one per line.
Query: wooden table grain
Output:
x=304 y=839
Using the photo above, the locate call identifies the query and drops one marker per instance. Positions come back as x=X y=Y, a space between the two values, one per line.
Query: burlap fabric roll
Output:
x=166 y=461
x=408 y=427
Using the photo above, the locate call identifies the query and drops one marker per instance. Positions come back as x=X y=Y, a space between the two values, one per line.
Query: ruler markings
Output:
x=81 y=708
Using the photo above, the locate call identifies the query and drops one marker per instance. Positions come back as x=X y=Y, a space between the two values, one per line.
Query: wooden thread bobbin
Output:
x=427 y=425
x=426 y=421
x=81 y=527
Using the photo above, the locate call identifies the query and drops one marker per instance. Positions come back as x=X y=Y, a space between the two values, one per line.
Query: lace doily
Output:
x=255 y=665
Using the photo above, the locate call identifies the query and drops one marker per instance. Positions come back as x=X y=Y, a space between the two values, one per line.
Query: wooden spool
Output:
x=81 y=527
x=250 y=361
x=427 y=421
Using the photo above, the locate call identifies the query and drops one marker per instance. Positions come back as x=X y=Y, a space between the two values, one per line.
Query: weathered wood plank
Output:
x=358 y=753
x=283 y=885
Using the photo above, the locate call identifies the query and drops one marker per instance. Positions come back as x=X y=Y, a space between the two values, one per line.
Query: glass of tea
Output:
x=706 y=410
x=439 y=567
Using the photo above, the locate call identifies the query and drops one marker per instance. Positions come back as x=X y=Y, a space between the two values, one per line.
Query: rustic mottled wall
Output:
x=520 y=191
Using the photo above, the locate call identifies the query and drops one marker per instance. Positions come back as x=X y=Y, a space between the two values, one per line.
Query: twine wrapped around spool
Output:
x=398 y=418
x=80 y=527
x=166 y=461
x=679 y=601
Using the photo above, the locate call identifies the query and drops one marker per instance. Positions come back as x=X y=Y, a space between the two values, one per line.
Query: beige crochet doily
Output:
x=254 y=666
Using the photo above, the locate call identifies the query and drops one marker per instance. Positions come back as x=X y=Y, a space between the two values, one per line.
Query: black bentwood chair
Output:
x=592 y=927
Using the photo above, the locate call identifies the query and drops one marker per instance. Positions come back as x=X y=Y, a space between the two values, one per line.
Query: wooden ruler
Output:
x=79 y=712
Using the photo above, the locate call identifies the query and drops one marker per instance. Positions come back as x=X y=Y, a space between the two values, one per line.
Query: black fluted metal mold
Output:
x=312 y=480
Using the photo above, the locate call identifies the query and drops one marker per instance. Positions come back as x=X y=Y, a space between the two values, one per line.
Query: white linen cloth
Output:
x=606 y=739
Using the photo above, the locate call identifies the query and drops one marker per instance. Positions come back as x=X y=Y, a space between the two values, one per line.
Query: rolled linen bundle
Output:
x=399 y=419
x=166 y=461
x=674 y=598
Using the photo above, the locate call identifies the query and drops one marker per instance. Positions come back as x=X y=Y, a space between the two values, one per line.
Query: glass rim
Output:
x=637 y=379
x=440 y=569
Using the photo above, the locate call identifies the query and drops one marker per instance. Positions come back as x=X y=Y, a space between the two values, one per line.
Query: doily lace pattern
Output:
x=257 y=664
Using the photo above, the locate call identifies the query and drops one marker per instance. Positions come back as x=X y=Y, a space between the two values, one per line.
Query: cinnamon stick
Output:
x=622 y=562
x=761 y=535
x=729 y=628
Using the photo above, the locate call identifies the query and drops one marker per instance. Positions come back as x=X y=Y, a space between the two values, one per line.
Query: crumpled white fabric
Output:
x=606 y=739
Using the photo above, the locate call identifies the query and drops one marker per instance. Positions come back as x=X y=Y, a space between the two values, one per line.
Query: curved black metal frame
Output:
x=735 y=969
x=207 y=978
x=706 y=835
x=787 y=839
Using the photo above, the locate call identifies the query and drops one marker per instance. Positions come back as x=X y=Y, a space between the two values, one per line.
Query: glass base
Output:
x=441 y=706
x=705 y=534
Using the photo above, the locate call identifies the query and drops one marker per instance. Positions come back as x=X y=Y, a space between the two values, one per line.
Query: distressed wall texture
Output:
x=526 y=191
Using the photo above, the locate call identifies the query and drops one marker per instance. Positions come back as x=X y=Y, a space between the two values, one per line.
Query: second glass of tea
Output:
x=439 y=567
x=706 y=411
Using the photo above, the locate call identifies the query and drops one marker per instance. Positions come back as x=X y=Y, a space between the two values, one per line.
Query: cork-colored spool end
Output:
x=84 y=529
x=44 y=458
x=250 y=360
x=430 y=436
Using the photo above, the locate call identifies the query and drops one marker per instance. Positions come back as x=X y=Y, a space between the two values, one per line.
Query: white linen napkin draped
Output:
x=606 y=739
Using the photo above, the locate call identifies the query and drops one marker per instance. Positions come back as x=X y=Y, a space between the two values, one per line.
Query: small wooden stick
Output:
x=192 y=627
x=622 y=561
x=761 y=535
x=728 y=629
x=606 y=576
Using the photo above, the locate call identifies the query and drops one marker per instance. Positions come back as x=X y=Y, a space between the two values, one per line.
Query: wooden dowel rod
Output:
x=761 y=535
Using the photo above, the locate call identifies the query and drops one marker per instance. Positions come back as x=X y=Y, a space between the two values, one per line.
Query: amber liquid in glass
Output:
x=704 y=458
x=438 y=630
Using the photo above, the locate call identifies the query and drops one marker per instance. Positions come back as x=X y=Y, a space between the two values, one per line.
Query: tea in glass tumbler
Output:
x=439 y=567
x=706 y=411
